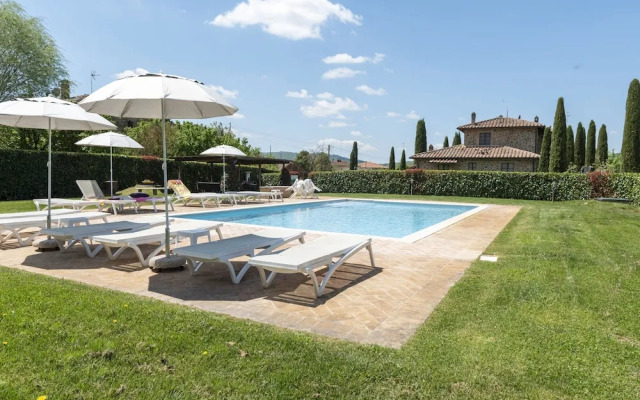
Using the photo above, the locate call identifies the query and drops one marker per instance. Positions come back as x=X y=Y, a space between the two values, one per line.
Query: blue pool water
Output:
x=377 y=218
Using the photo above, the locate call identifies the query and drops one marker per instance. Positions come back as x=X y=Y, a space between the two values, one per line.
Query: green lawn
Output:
x=555 y=317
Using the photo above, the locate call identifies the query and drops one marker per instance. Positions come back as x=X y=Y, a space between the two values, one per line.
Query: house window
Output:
x=506 y=167
x=472 y=166
x=443 y=167
x=485 y=139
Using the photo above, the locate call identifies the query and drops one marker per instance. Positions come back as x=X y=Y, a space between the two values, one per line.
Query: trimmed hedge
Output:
x=23 y=173
x=513 y=185
x=626 y=186
x=270 y=179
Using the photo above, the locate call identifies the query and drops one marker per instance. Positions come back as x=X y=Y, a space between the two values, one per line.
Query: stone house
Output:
x=497 y=144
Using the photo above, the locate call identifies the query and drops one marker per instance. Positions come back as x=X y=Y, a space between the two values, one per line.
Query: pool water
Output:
x=373 y=218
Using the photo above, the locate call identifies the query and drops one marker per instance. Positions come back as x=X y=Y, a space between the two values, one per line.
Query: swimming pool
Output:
x=407 y=221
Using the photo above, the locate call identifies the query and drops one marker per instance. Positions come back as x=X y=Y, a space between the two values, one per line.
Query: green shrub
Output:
x=626 y=186
x=272 y=179
x=514 y=185
x=23 y=173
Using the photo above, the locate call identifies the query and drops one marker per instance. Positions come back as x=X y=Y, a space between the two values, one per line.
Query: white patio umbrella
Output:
x=224 y=150
x=52 y=114
x=158 y=96
x=110 y=140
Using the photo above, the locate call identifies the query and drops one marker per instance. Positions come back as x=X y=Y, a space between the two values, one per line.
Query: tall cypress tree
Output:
x=543 y=166
x=421 y=137
x=392 y=159
x=353 y=158
x=579 y=146
x=603 y=145
x=631 y=135
x=569 y=145
x=457 y=139
x=446 y=142
x=558 y=153
x=590 y=153
x=403 y=161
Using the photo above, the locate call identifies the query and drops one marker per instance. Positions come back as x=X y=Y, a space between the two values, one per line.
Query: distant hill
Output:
x=289 y=155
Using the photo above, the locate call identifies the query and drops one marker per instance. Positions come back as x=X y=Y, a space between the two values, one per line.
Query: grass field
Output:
x=555 y=317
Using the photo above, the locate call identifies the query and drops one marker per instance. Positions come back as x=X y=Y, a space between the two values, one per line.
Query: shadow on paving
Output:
x=212 y=282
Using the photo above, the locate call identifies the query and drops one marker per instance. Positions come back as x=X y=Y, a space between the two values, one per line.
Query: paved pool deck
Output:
x=382 y=305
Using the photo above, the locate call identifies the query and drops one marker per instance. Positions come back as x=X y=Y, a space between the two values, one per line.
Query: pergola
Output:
x=233 y=161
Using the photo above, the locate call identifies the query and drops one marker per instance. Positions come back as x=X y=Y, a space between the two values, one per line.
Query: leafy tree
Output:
x=557 y=155
x=631 y=135
x=446 y=142
x=30 y=62
x=304 y=162
x=603 y=145
x=392 y=159
x=570 y=158
x=579 y=146
x=322 y=162
x=543 y=166
x=353 y=158
x=403 y=161
x=421 y=137
x=590 y=154
x=456 y=139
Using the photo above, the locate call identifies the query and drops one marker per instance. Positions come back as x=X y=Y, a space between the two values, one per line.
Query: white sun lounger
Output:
x=70 y=235
x=155 y=235
x=224 y=250
x=78 y=205
x=246 y=195
x=30 y=214
x=308 y=257
x=16 y=225
x=183 y=194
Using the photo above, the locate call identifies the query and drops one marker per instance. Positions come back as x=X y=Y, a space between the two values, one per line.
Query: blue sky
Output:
x=306 y=73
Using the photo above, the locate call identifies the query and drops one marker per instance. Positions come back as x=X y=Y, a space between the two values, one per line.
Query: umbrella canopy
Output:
x=224 y=150
x=50 y=113
x=158 y=96
x=110 y=140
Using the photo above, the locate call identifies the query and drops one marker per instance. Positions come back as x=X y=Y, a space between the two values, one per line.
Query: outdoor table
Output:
x=155 y=189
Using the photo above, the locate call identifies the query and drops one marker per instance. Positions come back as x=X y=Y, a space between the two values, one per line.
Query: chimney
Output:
x=430 y=147
x=536 y=119
x=473 y=118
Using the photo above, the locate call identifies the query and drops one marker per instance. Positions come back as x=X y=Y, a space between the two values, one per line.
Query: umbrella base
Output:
x=167 y=264
x=47 y=245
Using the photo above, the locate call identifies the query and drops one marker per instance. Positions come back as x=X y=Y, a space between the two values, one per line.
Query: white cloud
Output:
x=302 y=94
x=344 y=58
x=392 y=114
x=325 y=95
x=412 y=115
x=389 y=70
x=346 y=144
x=342 y=72
x=377 y=57
x=330 y=108
x=237 y=115
x=370 y=91
x=226 y=93
x=338 y=124
x=290 y=19
x=356 y=133
x=130 y=72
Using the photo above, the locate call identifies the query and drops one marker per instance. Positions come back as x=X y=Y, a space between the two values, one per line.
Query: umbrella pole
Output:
x=111 y=168
x=167 y=242
x=224 y=176
x=49 y=181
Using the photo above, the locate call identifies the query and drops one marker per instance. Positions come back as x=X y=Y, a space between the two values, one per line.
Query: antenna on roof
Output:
x=93 y=78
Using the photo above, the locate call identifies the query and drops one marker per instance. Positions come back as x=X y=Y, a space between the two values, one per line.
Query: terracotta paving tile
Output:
x=382 y=305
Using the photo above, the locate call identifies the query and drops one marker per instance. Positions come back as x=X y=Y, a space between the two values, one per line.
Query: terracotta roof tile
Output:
x=465 y=152
x=502 y=122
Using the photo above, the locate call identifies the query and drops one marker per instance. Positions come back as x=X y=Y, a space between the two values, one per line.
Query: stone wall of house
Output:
x=527 y=139
x=483 y=165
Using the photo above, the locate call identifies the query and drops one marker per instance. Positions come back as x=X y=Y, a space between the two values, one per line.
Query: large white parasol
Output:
x=158 y=96
x=224 y=150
